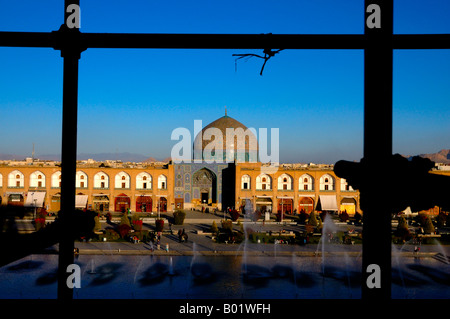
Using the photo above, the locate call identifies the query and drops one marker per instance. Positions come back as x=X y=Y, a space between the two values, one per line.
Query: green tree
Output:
x=429 y=227
x=178 y=217
x=214 y=228
x=125 y=221
x=313 y=220
x=97 y=225
x=402 y=229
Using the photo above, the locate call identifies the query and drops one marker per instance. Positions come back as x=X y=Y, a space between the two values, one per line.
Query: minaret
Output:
x=226 y=110
x=32 y=154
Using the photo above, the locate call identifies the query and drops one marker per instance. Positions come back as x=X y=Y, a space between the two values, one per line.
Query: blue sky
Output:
x=131 y=100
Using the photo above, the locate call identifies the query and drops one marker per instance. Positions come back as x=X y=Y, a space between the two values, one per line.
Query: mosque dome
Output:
x=241 y=144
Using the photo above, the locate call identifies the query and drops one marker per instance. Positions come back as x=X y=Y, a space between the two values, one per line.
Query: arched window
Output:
x=81 y=180
x=56 y=179
x=143 y=181
x=162 y=182
x=263 y=182
x=326 y=183
x=285 y=182
x=101 y=180
x=245 y=182
x=37 y=179
x=306 y=183
x=122 y=180
x=16 y=179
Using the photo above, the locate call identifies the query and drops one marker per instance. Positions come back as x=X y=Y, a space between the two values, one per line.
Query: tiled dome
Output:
x=242 y=134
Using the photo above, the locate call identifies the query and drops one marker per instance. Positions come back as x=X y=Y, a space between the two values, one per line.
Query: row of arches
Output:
x=16 y=179
x=98 y=202
x=286 y=182
x=305 y=204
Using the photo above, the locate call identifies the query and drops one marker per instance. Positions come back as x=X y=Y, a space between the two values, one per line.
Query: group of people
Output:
x=182 y=236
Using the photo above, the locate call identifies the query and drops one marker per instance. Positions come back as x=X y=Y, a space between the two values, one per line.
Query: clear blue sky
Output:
x=131 y=100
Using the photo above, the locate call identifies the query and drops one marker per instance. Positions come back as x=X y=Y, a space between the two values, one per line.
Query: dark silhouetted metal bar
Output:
x=222 y=41
x=378 y=57
x=71 y=54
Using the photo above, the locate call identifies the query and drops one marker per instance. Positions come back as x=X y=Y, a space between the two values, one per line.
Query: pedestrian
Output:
x=184 y=236
x=180 y=235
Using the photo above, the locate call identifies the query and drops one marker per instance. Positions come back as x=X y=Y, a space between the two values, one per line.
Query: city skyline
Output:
x=130 y=101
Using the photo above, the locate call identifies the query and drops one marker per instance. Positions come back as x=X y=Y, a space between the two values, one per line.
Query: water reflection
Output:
x=108 y=276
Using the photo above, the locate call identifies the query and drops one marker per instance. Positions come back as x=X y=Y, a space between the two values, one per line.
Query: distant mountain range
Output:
x=443 y=156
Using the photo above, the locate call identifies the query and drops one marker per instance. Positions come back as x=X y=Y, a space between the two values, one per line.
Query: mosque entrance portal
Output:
x=204 y=183
x=205 y=197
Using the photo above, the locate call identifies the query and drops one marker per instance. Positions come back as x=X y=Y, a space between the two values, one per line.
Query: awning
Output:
x=328 y=202
x=14 y=193
x=264 y=200
x=35 y=199
x=81 y=201
x=348 y=201
x=285 y=197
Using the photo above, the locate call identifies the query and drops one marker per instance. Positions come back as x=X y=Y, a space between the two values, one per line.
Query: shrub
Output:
x=97 y=225
x=313 y=220
x=214 y=228
x=227 y=225
x=178 y=217
x=402 y=229
x=234 y=214
x=123 y=230
x=302 y=217
x=421 y=218
x=111 y=234
x=137 y=225
x=125 y=220
x=39 y=223
x=429 y=227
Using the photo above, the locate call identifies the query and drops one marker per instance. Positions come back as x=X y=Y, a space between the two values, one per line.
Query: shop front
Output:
x=306 y=204
x=285 y=205
x=122 y=203
x=144 y=203
x=100 y=202
x=348 y=204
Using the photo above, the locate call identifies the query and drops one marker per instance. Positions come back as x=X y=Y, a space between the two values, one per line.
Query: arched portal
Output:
x=122 y=203
x=144 y=203
x=204 y=183
x=306 y=204
x=348 y=204
x=285 y=205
